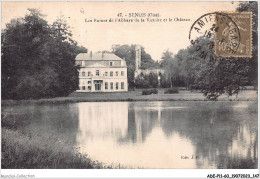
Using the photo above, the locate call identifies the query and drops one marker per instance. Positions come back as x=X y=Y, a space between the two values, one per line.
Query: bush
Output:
x=146 y=92
x=154 y=91
x=149 y=91
x=172 y=90
x=142 y=81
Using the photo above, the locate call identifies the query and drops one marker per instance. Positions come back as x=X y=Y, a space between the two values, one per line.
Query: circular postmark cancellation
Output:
x=223 y=31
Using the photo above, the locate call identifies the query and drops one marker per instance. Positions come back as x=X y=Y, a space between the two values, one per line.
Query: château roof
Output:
x=98 y=56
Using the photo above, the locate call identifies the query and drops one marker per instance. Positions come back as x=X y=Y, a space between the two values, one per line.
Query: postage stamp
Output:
x=234 y=38
x=230 y=31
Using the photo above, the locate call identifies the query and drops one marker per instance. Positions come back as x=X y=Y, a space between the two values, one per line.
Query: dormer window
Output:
x=110 y=63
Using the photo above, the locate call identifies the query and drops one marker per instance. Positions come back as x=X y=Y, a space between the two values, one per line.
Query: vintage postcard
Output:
x=129 y=85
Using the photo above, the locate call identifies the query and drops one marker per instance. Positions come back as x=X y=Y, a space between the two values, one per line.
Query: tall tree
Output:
x=37 y=59
x=166 y=58
x=200 y=69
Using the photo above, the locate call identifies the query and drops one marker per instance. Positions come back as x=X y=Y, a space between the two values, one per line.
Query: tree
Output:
x=165 y=82
x=201 y=69
x=167 y=56
x=153 y=80
x=37 y=59
x=142 y=81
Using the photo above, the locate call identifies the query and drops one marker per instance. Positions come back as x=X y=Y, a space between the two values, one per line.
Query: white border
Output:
x=130 y=173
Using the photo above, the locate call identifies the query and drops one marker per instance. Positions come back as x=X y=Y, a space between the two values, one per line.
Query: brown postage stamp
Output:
x=233 y=38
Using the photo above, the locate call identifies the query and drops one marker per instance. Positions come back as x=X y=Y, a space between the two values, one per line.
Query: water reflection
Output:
x=56 y=121
x=162 y=134
x=149 y=134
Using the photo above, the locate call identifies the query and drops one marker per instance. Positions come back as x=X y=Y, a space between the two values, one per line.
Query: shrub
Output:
x=172 y=90
x=154 y=91
x=146 y=92
x=149 y=91
x=142 y=81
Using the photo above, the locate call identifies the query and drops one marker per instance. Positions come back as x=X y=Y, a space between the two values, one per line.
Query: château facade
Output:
x=101 y=72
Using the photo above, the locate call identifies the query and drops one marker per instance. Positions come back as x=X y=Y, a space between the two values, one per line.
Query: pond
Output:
x=157 y=134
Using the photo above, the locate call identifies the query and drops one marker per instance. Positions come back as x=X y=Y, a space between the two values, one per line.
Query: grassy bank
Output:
x=34 y=150
x=26 y=152
x=183 y=95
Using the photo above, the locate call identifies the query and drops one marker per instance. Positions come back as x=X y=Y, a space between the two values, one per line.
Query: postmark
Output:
x=225 y=30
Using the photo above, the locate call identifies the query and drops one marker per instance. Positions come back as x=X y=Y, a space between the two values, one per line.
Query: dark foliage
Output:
x=172 y=90
x=165 y=82
x=147 y=81
x=38 y=60
x=154 y=91
x=149 y=91
x=201 y=69
x=146 y=92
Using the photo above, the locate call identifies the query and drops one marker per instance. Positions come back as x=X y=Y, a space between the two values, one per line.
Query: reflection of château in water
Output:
x=220 y=141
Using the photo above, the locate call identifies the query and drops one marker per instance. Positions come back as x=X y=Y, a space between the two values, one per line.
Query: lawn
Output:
x=183 y=95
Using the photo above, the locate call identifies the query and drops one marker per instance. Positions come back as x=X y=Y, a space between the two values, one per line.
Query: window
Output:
x=83 y=73
x=111 y=85
x=122 y=85
x=117 y=85
x=106 y=73
x=111 y=73
x=97 y=72
x=89 y=82
x=89 y=87
x=83 y=88
x=89 y=73
x=122 y=73
x=106 y=85
x=116 y=73
x=111 y=63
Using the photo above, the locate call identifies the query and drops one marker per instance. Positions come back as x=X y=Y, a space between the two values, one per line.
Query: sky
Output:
x=155 y=37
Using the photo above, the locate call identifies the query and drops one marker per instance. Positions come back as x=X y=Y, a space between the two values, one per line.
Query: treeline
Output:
x=38 y=58
x=152 y=80
x=197 y=67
